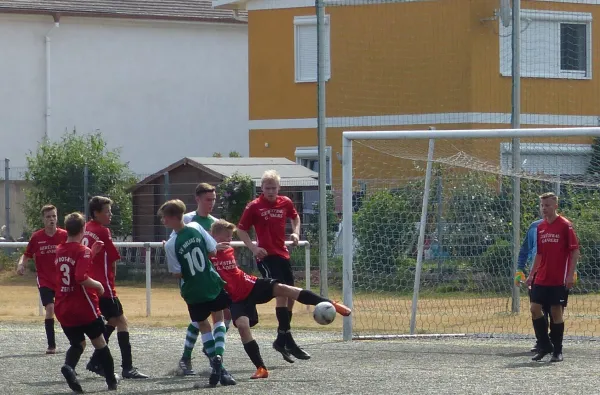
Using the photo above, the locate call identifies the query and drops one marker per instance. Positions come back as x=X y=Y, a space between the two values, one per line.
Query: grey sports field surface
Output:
x=442 y=366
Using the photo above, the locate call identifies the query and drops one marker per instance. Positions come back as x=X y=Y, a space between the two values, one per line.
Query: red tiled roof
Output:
x=199 y=10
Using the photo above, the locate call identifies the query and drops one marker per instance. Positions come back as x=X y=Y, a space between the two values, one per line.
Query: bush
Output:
x=312 y=229
x=233 y=194
x=497 y=259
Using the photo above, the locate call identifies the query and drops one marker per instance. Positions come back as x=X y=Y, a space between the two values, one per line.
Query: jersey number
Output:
x=65 y=269
x=195 y=260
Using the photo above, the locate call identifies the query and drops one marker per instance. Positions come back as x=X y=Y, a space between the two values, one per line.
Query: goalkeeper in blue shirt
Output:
x=525 y=259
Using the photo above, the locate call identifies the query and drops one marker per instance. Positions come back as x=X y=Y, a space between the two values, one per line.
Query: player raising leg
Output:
x=77 y=306
x=42 y=248
x=104 y=269
x=201 y=287
x=268 y=215
x=247 y=291
x=552 y=276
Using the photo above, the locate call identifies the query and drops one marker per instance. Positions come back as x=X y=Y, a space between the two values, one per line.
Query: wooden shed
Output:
x=179 y=180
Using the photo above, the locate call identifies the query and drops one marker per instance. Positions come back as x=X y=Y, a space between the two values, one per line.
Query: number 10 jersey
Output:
x=187 y=254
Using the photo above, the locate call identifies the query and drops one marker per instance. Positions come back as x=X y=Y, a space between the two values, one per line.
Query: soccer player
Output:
x=42 y=247
x=206 y=197
x=552 y=276
x=201 y=286
x=104 y=269
x=268 y=215
x=77 y=307
x=247 y=291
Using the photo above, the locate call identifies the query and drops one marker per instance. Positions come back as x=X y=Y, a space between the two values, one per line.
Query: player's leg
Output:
x=287 y=277
x=219 y=333
x=76 y=337
x=199 y=313
x=95 y=331
x=307 y=297
x=227 y=317
x=245 y=316
x=119 y=321
x=191 y=336
x=108 y=311
x=557 y=325
x=538 y=299
x=47 y=297
x=536 y=346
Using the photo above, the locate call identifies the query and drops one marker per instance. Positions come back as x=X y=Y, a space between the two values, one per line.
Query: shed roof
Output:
x=198 y=10
x=292 y=174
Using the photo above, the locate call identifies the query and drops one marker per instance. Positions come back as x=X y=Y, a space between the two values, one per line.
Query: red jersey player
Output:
x=42 y=247
x=552 y=275
x=247 y=291
x=268 y=215
x=77 y=307
x=104 y=268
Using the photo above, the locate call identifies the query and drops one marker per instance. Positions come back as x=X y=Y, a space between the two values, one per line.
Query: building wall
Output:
x=160 y=90
x=16 y=195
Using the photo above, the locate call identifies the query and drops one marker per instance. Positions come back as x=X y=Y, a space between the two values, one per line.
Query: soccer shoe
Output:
x=112 y=384
x=133 y=373
x=226 y=377
x=557 y=357
x=217 y=367
x=261 y=373
x=72 y=381
x=51 y=350
x=284 y=352
x=341 y=309
x=299 y=353
x=186 y=367
x=97 y=369
x=542 y=352
x=535 y=348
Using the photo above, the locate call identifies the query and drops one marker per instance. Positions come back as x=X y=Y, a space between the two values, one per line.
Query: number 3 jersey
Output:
x=187 y=254
x=75 y=305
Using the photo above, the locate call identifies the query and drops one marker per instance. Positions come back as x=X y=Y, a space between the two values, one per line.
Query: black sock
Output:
x=253 y=352
x=290 y=313
x=125 y=346
x=283 y=318
x=541 y=332
x=73 y=355
x=49 y=324
x=556 y=332
x=108 y=331
x=310 y=298
x=105 y=359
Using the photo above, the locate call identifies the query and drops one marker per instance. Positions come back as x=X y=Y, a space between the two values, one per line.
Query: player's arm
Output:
x=81 y=272
x=573 y=256
x=295 y=219
x=173 y=264
x=111 y=250
x=27 y=255
x=245 y=224
x=521 y=261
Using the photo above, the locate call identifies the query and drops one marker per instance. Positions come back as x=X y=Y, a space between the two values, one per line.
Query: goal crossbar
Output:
x=148 y=261
x=431 y=135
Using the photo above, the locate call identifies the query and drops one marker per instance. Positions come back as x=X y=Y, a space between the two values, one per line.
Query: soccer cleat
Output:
x=217 y=367
x=284 y=352
x=133 y=373
x=541 y=353
x=51 y=350
x=557 y=357
x=185 y=365
x=226 y=377
x=97 y=369
x=112 y=384
x=341 y=309
x=299 y=353
x=535 y=348
x=261 y=373
x=72 y=381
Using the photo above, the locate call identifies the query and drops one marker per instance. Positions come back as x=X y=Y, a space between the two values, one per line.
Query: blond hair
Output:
x=270 y=175
x=220 y=225
x=549 y=195
x=172 y=208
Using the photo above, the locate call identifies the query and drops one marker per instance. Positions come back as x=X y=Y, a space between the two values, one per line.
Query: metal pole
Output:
x=421 y=242
x=440 y=225
x=166 y=194
x=307 y=270
x=85 y=191
x=7 y=195
x=148 y=279
x=516 y=149
x=347 y=234
x=322 y=143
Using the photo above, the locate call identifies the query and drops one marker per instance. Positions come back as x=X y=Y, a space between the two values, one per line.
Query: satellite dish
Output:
x=505 y=13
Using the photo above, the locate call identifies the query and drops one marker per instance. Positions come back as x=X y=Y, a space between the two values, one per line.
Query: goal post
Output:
x=462 y=175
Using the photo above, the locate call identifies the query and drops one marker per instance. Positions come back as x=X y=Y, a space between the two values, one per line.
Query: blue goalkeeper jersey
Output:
x=529 y=246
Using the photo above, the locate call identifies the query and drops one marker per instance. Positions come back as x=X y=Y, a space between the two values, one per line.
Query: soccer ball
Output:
x=324 y=313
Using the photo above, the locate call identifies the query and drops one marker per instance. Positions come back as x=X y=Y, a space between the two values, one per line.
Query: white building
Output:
x=160 y=79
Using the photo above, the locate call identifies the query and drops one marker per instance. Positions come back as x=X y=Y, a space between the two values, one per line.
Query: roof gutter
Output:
x=48 y=44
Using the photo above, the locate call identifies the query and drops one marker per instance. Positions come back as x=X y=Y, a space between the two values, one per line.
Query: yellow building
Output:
x=411 y=64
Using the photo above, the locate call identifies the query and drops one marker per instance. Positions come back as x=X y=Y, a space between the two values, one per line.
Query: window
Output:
x=305 y=48
x=553 y=45
x=309 y=157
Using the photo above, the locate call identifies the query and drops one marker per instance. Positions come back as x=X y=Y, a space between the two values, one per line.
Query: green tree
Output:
x=56 y=176
x=594 y=166
x=233 y=194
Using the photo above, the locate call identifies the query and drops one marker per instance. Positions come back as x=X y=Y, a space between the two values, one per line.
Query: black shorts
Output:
x=46 y=295
x=261 y=293
x=549 y=296
x=76 y=334
x=111 y=308
x=278 y=268
x=201 y=311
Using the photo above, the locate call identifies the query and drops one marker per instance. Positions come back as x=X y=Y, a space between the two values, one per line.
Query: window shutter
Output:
x=307 y=52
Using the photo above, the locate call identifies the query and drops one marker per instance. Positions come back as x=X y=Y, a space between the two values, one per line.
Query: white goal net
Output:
x=468 y=262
